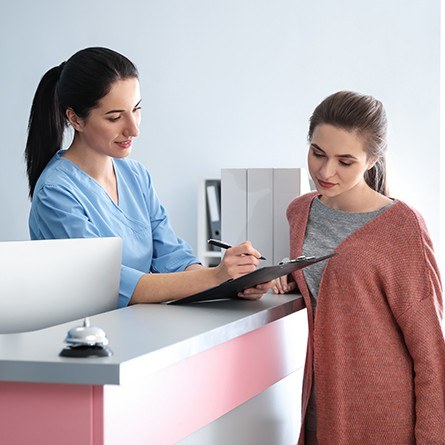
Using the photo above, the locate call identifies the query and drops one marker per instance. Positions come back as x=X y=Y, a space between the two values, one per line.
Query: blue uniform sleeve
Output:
x=170 y=253
x=57 y=214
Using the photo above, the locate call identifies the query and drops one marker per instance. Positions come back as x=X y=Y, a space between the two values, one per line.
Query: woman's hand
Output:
x=256 y=292
x=284 y=284
x=237 y=261
x=280 y=285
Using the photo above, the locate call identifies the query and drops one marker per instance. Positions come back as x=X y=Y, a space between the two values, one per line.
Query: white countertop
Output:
x=144 y=339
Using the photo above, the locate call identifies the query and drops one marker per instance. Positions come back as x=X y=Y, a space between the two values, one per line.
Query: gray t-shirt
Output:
x=326 y=229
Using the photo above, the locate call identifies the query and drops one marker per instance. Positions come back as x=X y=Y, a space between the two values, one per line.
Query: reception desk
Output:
x=176 y=373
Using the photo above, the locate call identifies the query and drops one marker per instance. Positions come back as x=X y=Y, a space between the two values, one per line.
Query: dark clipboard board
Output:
x=229 y=289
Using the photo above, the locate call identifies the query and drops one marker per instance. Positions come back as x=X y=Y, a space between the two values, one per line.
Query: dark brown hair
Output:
x=365 y=116
x=78 y=83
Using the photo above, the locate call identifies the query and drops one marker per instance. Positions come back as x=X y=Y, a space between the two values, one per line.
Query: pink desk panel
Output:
x=160 y=409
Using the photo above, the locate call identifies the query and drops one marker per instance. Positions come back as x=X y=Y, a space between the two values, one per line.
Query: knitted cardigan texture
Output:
x=376 y=345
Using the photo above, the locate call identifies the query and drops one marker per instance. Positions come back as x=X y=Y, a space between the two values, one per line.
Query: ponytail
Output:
x=375 y=177
x=45 y=127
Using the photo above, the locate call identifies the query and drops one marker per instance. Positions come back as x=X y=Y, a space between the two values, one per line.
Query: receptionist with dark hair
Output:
x=92 y=189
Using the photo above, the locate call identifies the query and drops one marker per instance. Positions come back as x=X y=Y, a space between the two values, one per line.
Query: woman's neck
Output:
x=97 y=165
x=360 y=199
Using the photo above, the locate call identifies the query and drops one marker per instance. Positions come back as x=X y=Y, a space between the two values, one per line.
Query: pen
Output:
x=217 y=243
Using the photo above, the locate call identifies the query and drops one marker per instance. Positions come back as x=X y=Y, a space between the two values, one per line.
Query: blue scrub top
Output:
x=68 y=203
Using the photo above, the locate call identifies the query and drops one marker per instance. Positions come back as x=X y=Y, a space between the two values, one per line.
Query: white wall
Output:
x=231 y=84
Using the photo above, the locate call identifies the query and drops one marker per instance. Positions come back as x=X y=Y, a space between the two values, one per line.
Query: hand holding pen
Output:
x=240 y=260
x=218 y=243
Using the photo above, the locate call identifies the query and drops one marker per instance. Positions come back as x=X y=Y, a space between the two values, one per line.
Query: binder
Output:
x=288 y=183
x=213 y=199
x=229 y=289
x=234 y=205
x=254 y=203
x=260 y=212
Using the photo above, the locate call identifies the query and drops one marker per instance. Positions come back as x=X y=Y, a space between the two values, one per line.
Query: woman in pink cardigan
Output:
x=375 y=366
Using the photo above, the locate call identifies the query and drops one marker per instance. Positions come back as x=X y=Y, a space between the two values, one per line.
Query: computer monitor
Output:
x=48 y=282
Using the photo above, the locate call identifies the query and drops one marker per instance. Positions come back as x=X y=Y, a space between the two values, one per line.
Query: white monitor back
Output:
x=48 y=282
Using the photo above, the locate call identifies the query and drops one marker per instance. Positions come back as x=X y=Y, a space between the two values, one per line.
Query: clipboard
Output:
x=229 y=289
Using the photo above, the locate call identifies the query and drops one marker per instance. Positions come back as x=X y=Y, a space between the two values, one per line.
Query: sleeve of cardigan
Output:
x=422 y=329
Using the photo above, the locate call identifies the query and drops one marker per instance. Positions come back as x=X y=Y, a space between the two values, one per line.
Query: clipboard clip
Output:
x=296 y=260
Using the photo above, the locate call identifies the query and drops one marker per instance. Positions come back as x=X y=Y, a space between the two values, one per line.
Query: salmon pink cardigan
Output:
x=376 y=346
